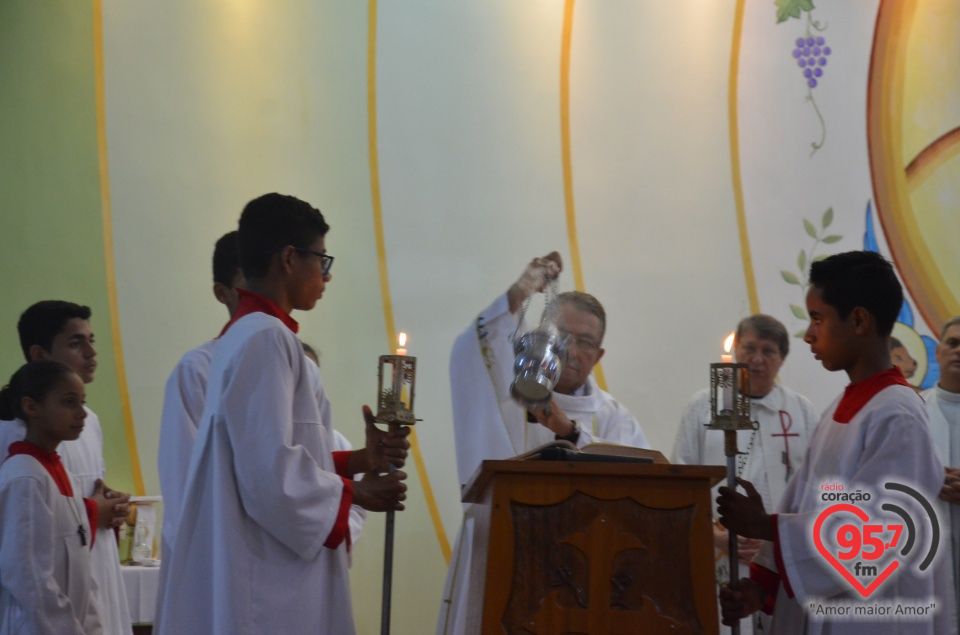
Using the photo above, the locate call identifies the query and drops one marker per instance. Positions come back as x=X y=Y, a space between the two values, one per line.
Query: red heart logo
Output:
x=862 y=515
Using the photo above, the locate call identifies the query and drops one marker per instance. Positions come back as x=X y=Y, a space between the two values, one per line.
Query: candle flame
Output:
x=402 y=339
x=728 y=343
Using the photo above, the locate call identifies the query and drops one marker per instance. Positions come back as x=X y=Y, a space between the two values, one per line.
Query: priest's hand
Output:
x=535 y=277
x=736 y=605
x=747 y=548
x=721 y=539
x=744 y=515
x=385 y=449
x=112 y=506
x=554 y=418
x=381 y=493
x=951 y=485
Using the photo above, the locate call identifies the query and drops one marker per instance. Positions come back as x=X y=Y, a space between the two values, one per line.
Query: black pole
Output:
x=387 y=576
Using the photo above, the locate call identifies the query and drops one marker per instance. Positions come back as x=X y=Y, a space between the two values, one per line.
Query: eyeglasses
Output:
x=586 y=345
x=768 y=353
x=326 y=260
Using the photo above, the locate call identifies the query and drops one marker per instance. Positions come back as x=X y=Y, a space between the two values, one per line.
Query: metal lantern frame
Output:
x=730 y=412
x=394 y=405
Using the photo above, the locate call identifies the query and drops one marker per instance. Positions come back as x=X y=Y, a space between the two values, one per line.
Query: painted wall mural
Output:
x=880 y=180
x=449 y=143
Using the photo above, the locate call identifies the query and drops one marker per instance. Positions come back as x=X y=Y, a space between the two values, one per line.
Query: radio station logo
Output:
x=866 y=542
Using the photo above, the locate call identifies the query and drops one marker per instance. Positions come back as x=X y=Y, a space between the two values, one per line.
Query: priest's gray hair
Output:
x=951 y=322
x=586 y=303
x=766 y=327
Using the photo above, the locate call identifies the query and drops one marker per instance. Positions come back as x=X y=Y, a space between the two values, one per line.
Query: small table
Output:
x=141 y=584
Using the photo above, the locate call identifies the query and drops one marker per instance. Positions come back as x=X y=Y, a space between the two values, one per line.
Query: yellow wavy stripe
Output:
x=382 y=260
x=732 y=114
x=568 y=163
x=131 y=434
x=932 y=158
x=885 y=120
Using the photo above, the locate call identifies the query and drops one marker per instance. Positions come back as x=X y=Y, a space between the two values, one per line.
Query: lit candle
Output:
x=727 y=358
x=401 y=350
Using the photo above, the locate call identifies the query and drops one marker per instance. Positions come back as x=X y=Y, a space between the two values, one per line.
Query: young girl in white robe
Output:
x=45 y=537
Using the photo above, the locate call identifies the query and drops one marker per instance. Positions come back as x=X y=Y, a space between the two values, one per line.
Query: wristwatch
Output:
x=574 y=436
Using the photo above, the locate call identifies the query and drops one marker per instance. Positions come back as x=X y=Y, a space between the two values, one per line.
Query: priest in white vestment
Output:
x=61 y=331
x=490 y=424
x=943 y=405
x=770 y=454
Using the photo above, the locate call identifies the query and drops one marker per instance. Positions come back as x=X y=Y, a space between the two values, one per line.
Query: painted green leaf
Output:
x=790 y=277
x=811 y=230
x=802 y=261
x=792 y=8
x=819 y=258
x=827 y=218
x=801 y=334
x=832 y=239
x=798 y=312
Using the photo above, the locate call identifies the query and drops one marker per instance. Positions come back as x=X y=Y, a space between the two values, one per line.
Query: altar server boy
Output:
x=261 y=543
x=875 y=433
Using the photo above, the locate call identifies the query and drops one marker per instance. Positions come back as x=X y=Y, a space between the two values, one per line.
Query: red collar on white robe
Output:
x=856 y=396
x=54 y=467
x=49 y=460
x=251 y=302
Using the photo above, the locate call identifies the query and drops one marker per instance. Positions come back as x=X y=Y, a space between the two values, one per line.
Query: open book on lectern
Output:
x=563 y=450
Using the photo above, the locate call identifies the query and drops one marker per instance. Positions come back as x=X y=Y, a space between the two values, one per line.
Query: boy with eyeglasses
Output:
x=262 y=538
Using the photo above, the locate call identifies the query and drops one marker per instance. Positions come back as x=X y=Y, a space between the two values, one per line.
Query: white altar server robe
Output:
x=83 y=460
x=261 y=499
x=944 y=410
x=183 y=404
x=45 y=582
x=886 y=441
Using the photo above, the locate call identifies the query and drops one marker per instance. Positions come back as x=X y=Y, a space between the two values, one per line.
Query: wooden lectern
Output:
x=593 y=548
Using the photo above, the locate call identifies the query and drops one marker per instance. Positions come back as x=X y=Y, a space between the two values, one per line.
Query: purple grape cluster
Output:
x=811 y=55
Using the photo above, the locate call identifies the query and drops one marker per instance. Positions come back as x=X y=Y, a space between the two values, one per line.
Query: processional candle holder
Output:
x=396 y=384
x=730 y=412
x=395 y=399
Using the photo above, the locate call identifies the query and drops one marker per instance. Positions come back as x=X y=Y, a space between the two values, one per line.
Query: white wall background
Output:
x=209 y=104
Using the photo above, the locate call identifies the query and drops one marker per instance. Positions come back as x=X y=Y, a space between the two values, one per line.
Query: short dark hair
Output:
x=860 y=279
x=586 y=303
x=270 y=223
x=34 y=380
x=44 y=320
x=226 y=259
x=766 y=327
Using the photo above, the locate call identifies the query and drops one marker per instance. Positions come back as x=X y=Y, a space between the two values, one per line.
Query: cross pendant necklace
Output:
x=81 y=530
